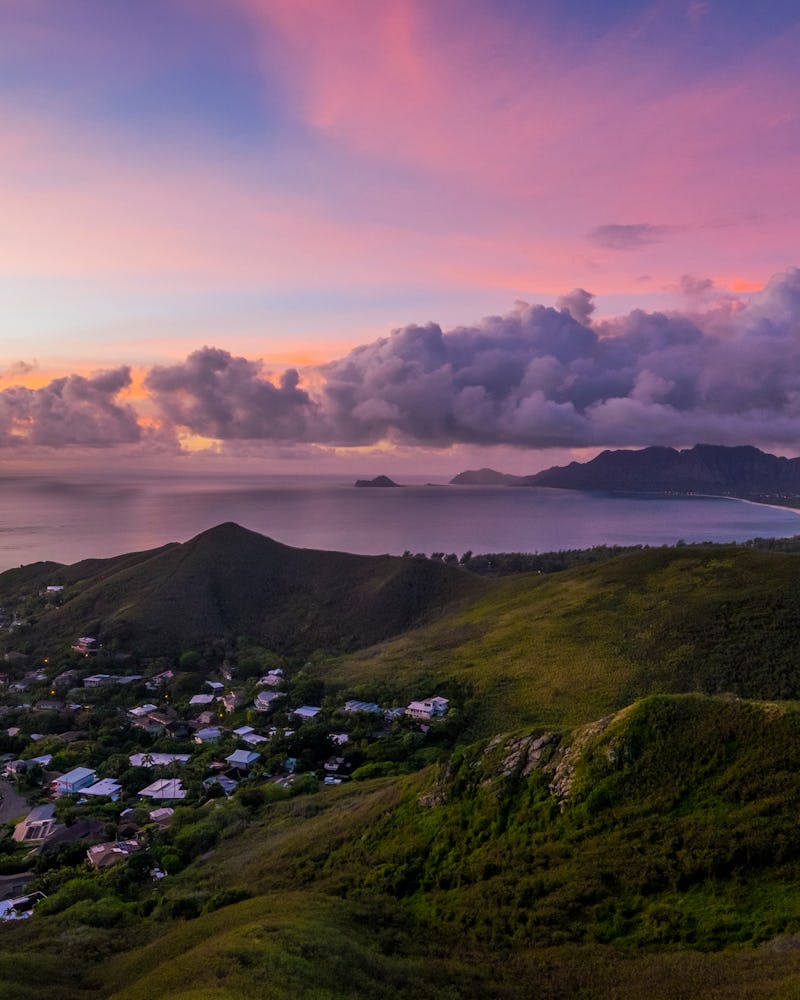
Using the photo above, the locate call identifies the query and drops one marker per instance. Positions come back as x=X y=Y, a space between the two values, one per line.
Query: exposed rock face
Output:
x=562 y=766
x=526 y=753
x=703 y=469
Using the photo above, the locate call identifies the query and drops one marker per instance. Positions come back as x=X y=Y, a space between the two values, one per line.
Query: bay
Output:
x=68 y=518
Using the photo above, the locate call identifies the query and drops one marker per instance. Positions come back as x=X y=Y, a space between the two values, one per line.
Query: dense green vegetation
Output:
x=633 y=833
x=678 y=832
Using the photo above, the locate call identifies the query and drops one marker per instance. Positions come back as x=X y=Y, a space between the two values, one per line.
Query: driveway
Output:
x=12 y=805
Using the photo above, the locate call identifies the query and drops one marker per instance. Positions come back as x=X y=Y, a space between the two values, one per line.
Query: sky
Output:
x=405 y=234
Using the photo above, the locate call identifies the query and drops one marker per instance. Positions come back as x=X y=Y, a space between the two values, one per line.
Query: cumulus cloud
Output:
x=73 y=410
x=540 y=377
x=537 y=377
x=217 y=395
x=579 y=304
x=616 y=236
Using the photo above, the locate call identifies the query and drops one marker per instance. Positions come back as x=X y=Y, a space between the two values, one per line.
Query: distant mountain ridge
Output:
x=705 y=468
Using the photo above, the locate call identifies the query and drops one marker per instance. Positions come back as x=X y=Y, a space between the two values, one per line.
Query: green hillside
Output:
x=229 y=581
x=558 y=649
x=612 y=812
x=666 y=865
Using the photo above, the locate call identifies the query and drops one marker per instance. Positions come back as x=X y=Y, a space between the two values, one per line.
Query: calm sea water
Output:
x=71 y=518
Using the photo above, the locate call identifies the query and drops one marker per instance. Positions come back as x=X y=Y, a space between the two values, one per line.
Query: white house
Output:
x=253 y=739
x=430 y=708
x=86 y=644
x=307 y=712
x=106 y=786
x=201 y=699
x=265 y=700
x=163 y=789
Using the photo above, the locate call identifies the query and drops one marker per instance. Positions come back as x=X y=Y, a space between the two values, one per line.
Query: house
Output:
x=37 y=826
x=54 y=589
x=112 y=852
x=142 y=711
x=106 y=786
x=74 y=781
x=86 y=645
x=201 y=699
x=208 y=735
x=96 y=680
x=306 y=712
x=163 y=789
x=253 y=739
x=430 y=708
x=265 y=700
x=242 y=759
x=243 y=731
x=225 y=783
x=363 y=706
x=157 y=759
x=204 y=718
x=216 y=686
x=231 y=700
x=20 y=907
x=272 y=679
x=160 y=680
x=50 y=705
x=339 y=739
x=162 y=817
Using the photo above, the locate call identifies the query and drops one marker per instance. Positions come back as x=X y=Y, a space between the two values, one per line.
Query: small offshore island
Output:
x=379 y=482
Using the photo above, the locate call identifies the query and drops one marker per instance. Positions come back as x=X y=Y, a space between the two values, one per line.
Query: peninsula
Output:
x=742 y=471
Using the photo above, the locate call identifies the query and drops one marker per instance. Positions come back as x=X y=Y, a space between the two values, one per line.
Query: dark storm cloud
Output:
x=616 y=236
x=217 y=395
x=73 y=410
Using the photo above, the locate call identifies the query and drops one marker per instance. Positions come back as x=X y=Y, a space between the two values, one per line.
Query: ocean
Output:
x=68 y=518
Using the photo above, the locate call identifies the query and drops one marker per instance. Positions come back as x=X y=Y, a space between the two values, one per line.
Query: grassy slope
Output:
x=229 y=581
x=557 y=650
x=683 y=837
x=680 y=833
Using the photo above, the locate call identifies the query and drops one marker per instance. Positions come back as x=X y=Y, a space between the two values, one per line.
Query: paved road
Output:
x=12 y=805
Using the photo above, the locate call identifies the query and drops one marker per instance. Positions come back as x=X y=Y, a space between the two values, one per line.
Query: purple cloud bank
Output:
x=73 y=410
x=538 y=377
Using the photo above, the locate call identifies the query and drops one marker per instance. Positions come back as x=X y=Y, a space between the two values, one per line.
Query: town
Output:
x=108 y=760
